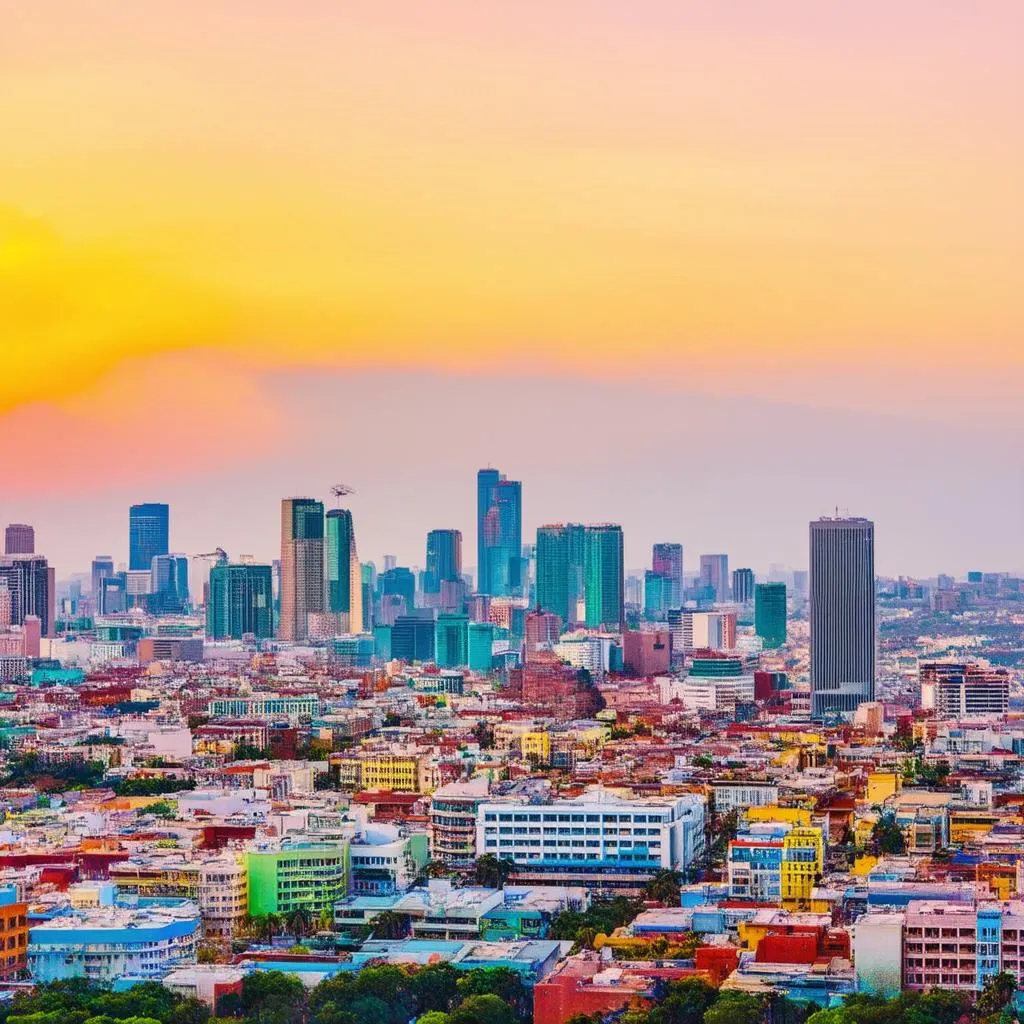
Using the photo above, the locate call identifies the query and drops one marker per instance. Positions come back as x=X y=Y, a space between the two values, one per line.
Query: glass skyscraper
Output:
x=667 y=560
x=559 y=555
x=743 y=585
x=240 y=601
x=344 y=573
x=714 y=576
x=302 y=565
x=499 y=534
x=603 y=577
x=842 y=613
x=444 y=559
x=148 y=534
x=451 y=640
x=770 y=613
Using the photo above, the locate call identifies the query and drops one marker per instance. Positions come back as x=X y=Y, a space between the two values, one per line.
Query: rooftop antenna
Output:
x=340 y=490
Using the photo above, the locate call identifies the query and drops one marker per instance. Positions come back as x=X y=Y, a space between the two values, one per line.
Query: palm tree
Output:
x=389 y=925
x=271 y=924
x=248 y=925
x=298 y=922
x=326 y=920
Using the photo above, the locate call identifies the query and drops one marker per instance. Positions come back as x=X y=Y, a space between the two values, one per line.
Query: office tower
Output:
x=302 y=565
x=559 y=553
x=344 y=572
x=714 y=576
x=499 y=534
x=842 y=615
x=6 y=606
x=390 y=562
x=19 y=539
x=634 y=592
x=102 y=568
x=481 y=646
x=368 y=574
x=240 y=601
x=28 y=578
x=113 y=599
x=743 y=585
x=603 y=577
x=412 y=638
x=444 y=559
x=770 y=613
x=658 y=591
x=667 y=560
x=542 y=630
x=169 y=583
x=398 y=582
x=451 y=640
x=964 y=689
x=148 y=534
x=801 y=584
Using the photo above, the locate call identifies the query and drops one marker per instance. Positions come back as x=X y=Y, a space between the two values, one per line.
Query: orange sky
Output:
x=716 y=195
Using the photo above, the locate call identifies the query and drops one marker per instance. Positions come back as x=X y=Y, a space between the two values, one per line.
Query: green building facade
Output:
x=310 y=875
x=770 y=613
x=240 y=601
x=603 y=577
x=451 y=640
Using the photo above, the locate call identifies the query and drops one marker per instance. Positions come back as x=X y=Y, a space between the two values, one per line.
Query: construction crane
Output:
x=340 y=490
x=220 y=554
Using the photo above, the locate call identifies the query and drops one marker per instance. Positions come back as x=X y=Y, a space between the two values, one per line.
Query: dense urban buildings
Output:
x=211 y=758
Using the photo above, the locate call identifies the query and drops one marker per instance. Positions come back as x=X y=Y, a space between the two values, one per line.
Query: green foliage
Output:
x=736 y=1008
x=272 y=997
x=604 y=916
x=485 y=1009
x=703 y=761
x=664 y=887
x=887 y=836
x=152 y=786
x=28 y=769
x=491 y=872
x=685 y=1003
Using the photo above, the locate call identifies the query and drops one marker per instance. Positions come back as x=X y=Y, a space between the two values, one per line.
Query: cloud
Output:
x=157 y=419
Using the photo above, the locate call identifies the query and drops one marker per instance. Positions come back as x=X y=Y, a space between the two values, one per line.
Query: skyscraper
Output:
x=102 y=568
x=19 y=539
x=169 y=583
x=451 y=640
x=240 y=601
x=148 y=534
x=444 y=559
x=743 y=585
x=603 y=576
x=559 y=555
x=842 y=614
x=28 y=579
x=499 y=534
x=667 y=560
x=770 y=613
x=302 y=565
x=344 y=573
x=658 y=590
x=714 y=576
x=399 y=582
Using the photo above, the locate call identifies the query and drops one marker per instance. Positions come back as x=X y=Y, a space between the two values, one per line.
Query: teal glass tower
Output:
x=240 y=601
x=444 y=559
x=451 y=640
x=481 y=646
x=770 y=613
x=499 y=534
x=603 y=577
x=344 y=573
x=559 y=556
x=148 y=531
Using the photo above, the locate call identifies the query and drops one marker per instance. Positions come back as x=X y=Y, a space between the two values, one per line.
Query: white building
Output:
x=597 y=834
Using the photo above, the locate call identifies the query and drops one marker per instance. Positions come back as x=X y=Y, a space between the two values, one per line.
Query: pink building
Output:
x=32 y=632
x=646 y=653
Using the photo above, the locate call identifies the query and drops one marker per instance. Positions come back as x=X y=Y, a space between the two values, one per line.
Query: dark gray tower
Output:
x=842 y=615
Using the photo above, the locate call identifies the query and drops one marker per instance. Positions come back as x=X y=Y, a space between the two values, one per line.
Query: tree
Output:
x=664 y=887
x=491 y=872
x=299 y=922
x=887 y=836
x=998 y=991
x=435 y=988
x=486 y=1009
x=433 y=1017
x=703 y=761
x=502 y=982
x=272 y=997
x=735 y=1008
x=165 y=809
x=685 y=1003
x=389 y=925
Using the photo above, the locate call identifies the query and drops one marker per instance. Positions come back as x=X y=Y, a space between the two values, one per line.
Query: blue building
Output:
x=148 y=534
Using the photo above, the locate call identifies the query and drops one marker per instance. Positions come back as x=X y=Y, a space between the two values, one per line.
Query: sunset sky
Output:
x=650 y=254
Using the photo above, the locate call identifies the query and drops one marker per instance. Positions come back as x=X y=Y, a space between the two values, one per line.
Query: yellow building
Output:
x=536 y=746
x=390 y=772
x=882 y=785
x=803 y=859
x=772 y=812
